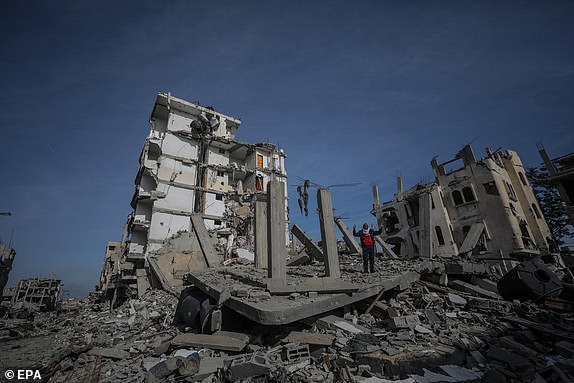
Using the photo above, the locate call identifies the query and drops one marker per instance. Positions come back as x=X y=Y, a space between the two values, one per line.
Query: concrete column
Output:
x=328 y=236
x=375 y=196
x=261 y=253
x=276 y=250
x=348 y=236
x=425 y=229
x=399 y=185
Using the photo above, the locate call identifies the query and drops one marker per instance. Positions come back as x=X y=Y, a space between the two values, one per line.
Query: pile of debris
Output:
x=413 y=331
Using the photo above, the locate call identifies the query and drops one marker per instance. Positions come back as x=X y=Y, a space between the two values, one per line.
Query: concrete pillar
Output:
x=425 y=229
x=328 y=236
x=375 y=196
x=261 y=253
x=276 y=250
x=399 y=185
x=348 y=236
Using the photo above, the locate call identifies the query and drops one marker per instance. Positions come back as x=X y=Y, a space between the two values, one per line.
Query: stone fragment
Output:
x=456 y=299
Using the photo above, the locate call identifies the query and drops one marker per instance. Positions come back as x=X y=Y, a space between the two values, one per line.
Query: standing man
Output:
x=367 y=237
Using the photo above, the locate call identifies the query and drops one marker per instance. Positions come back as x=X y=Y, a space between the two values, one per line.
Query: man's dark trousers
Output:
x=369 y=258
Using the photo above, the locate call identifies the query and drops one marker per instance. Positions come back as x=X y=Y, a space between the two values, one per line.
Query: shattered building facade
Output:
x=486 y=208
x=7 y=255
x=191 y=164
x=561 y=172
x=35 y=294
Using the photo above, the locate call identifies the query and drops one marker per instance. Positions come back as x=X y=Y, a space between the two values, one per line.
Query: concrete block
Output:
x=185 y=366
x=407 y=321
x=456 y=299
x=295 y=353
x=251 y=365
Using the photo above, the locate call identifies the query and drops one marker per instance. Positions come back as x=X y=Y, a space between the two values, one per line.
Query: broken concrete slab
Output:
x=332 y=321
x=387 y=250
x=312 y=248
x=486 y=284
x=280 y=309
x=310 y=338
x=348 y=237
x=472 y=289
x=299 y=259
x=205 y=242
x=216 y=342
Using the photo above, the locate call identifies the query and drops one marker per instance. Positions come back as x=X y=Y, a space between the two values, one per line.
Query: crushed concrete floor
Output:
x=420 y=332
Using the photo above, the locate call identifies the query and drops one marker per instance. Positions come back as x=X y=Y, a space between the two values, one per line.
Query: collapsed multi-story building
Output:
x=191 y=164
x=485 y=208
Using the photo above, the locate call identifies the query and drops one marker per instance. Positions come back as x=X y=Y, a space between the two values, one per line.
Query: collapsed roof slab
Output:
x=242 y=289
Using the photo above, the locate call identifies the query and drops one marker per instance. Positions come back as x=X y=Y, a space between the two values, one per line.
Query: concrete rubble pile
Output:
x=418 y=332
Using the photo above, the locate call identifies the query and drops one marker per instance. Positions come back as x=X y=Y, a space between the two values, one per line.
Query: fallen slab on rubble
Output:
x=310 y=338
x=236 y=284
x=224 y=342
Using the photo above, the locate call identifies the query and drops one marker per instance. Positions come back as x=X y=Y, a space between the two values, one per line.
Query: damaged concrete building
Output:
x=33 y=294
x=561 y=172
x=191 y=166
x=485 y=208
x=7 y=255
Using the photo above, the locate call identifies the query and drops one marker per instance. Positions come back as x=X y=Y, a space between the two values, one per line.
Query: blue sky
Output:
x=352 y=93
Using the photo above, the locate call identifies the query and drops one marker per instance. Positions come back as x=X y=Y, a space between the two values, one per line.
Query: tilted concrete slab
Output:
x=228 y=284
x=353 y=246
x=312 y=249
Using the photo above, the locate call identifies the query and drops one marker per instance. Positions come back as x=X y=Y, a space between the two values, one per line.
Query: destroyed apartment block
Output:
x=194 y=202
x=34 y=294
x=485 y=209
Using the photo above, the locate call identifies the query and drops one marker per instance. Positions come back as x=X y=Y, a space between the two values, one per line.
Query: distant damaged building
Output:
x=485 y=208
x=7 y=255
x=561 y=172
x=191 y=166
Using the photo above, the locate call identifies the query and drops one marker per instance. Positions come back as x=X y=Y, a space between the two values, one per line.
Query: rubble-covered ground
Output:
x=425 y=333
